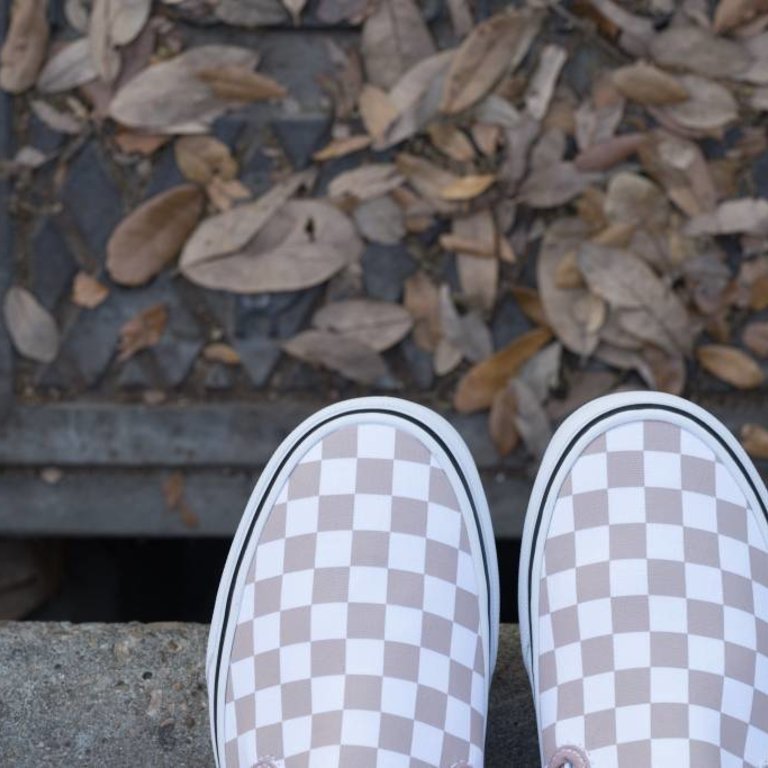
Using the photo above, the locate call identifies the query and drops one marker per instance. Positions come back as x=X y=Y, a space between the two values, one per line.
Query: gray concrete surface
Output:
x=119 y=695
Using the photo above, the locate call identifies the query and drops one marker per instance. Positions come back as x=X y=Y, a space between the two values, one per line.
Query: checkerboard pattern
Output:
x=358 y=642
x=653 y=618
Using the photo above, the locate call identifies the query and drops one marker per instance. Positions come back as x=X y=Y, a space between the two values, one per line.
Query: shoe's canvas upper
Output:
x=653 y=609
x=358 y=637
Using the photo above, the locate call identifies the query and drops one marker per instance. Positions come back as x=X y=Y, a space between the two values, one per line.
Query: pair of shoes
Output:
x=357 y=619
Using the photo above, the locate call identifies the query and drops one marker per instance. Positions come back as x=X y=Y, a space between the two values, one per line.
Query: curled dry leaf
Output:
x=480 y=384
x=32 y=329
x=754 y=438
x=626 y=282
x=234 y=82
x=376 y=110
x=150 y=237
x=218 y=352
x=302 y=244
x=730 y=14
x=422 y=300
x=601 y=157
x=25 y=45
x=169 y=97
x=341 y=147
x=680 y=167
x=104 y=54
x=730 y=364
x=70 y=67
x=451 y=142
x=394 y=38
x=502 y=421
x=230 y=231
x=708 y=108
x=200 y=158
x=467 y=187
x=530 y=304
x=142 y=331
x=493 y=48
x=343 y=354
x=428 y=180
x=563 y=306
x=554 y=185
x=87 y=291
x=63 y=122
x=366 y=182
x=647 y=84
x=377 y=324
x=531 y=419
x=755 y=338
x=224 y=194
x=695 y=49
x=542 y=84
x=746 y=215
x=478 y=277
x=668 y=371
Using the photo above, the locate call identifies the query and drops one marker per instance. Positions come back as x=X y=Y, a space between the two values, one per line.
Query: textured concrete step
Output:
x=126 y=695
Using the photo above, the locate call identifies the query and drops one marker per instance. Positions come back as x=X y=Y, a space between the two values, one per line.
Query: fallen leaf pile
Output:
x=621 y=216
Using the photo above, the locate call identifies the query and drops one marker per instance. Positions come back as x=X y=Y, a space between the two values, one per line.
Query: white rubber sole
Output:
x=439 y=436
x=575 y=433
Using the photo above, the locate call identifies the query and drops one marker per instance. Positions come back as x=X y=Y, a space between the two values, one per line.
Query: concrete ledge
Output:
x=123 y=695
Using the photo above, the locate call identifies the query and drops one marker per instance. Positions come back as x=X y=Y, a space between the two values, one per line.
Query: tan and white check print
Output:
x=653 y=620
x=357 y=640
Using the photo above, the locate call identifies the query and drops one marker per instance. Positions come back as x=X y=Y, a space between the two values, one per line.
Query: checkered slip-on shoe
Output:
x=644 y=591
x=356 y=623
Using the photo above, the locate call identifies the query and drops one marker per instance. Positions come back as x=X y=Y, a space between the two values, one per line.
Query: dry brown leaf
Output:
x=169 y=97
x=342 y=147
x=754 y=438
x=709 y=108
x=755 y=338
x=668 y=371
x=758 y=294
x=69 y=67
x=87 y=291
x=730 y=14
x=377 y=324
x=746 y=215
x=142 y=331
x=647 y=84
x=224 y=194
x=563 y=306
x=380 y=220
x=58 y=120
x=627 y=283
x=480 y=384
x=542 y=84
x=295 y=7
x=451 y=142
x=730 y=364
x=218 y=352
x=233 y=82
x=478 y=277
x=601 y=157
x=104 y=54
x=127 y=19
x=554 y=185
x=364 y=183
x=548 y=150
x=637 y=30
x=695 y=49
x=416 y=96
x=467 y=187
x=344 y=354
x=150 y=237
x=25 y=45
x=422 y=300
x=461 y=17
x=501 y=421
x=468 y=333
x=230 y=231
x=681 y=168
x=394 y=39
x=135 y=142
x=428 y=180
x=32 y=329
x=530 y=304
x=487 y=137
x=200 y=158
x=634 y=199
x=531 y=419
x=376 y=110
x=493 y=48
x=303 y=243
